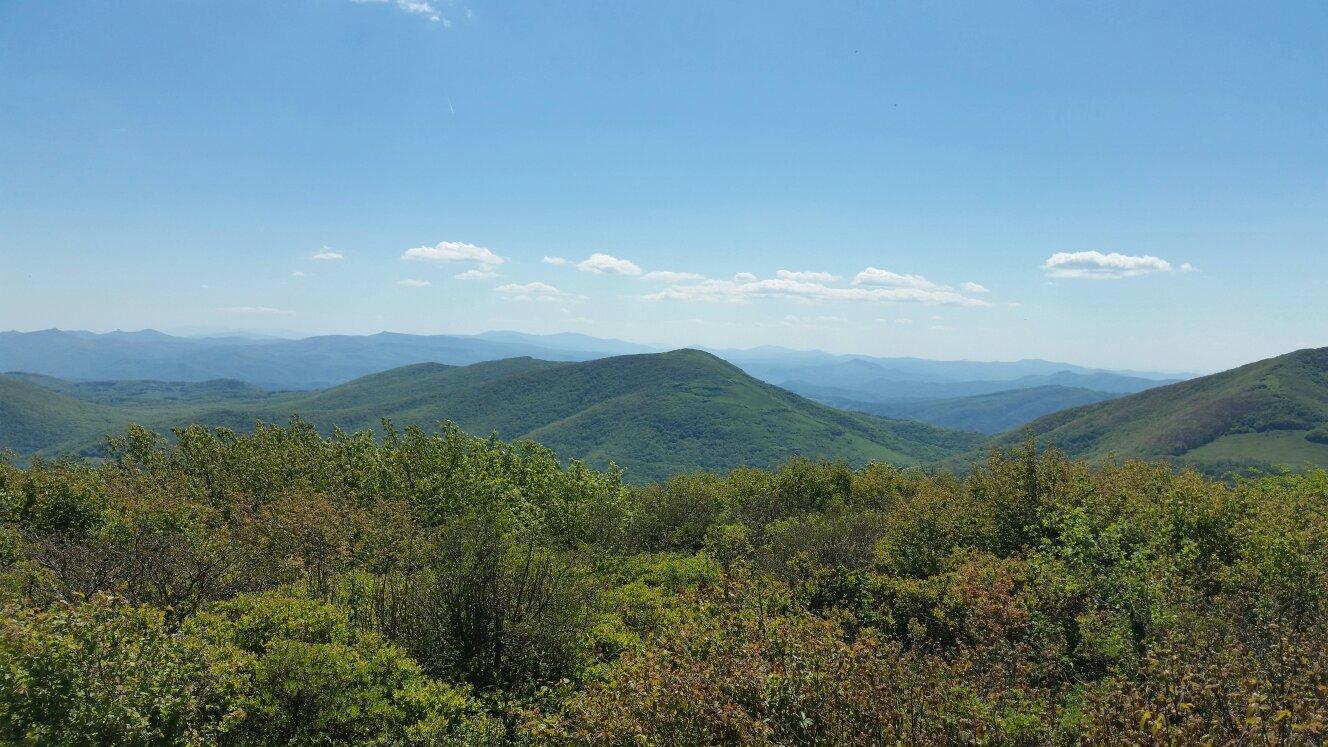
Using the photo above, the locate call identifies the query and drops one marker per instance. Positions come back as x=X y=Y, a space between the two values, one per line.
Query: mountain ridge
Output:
x=653 y=414
x=1188 y=421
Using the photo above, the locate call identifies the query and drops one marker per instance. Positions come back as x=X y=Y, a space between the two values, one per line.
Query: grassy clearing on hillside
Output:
x=1278 y=448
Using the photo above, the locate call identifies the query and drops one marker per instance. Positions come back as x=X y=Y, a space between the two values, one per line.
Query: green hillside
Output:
x=654 y=415
x=1265 y=413
x=33 y=418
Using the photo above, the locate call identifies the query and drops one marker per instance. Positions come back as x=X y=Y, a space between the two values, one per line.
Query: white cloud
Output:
x=794 y=320
x=535 y=291
x=972 y=287
x=1187 y=267
x=559 y=261
x=875 y=276
x=745 y=287
x=421 y=7
x=668 y=276
x=413 y=283
x=454 y=251
x=255 y=310
x=297 y=274
x=815 y=277
x=327 y=255
x=600 y=264
x=1095 y=265
x=476 y=274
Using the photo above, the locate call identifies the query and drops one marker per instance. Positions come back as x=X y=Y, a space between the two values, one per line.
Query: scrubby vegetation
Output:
x=286 y=588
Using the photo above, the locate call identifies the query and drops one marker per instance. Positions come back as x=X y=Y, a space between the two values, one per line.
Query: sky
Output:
x=1139 y=185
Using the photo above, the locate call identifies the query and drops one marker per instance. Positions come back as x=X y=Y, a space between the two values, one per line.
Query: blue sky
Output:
x=1141 y=185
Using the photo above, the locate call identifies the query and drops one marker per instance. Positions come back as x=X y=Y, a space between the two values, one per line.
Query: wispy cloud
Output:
x=669 y=276
x=1094 y=265
x=600 y=264
x=255 y=310
x=327 y=255
x=559 y=261
x=297 y=274
x=886 y=287
x=814 y=277
x=483 y=273
x=453 y=251
x=535 y=291
x=971 y=287
x=420 y=7
x=413 y=283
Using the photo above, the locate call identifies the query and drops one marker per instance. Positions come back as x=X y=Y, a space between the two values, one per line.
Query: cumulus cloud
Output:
x=874 y=276
x=972 y=287
x=255 y=310
x=454 y=251
x=559 y=261
x=327 y=255
x=535 y=291
x=815 y=277
x=1094 y=265
x=476 y=274
x=413 y=283
x=600 y=264
x=669 y=276
x=745 y=287
x=1187 y=267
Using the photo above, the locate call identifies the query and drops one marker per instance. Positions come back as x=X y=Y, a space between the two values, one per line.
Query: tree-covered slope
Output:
x=985 y=413
x=33 y=418
x=654 y=415
x=1249 y=415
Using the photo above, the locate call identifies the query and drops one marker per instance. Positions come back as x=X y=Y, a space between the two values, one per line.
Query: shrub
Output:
x=105 y=672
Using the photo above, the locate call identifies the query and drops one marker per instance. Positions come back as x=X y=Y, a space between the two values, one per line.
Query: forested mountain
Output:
x=985 y=413
x=655 y=415
x=1274 y=411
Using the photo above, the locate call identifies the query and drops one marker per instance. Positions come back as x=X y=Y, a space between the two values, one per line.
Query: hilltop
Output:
x=653 y=414
x=1272 y=412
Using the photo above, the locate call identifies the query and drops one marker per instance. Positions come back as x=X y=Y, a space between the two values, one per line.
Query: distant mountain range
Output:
x=323 y=361
x=985 y=413
x=309 y=363
x=655 y=415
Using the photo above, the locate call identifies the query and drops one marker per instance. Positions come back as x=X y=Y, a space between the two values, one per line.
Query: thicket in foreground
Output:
x=283 y=588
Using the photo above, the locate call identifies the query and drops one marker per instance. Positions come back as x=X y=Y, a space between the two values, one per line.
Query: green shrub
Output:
x=105 y=672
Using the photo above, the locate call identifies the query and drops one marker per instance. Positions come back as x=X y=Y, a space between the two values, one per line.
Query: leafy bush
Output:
x=312 y=677
x=105 y=672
